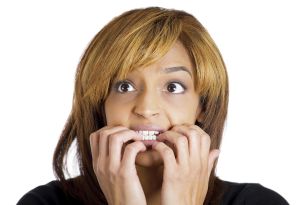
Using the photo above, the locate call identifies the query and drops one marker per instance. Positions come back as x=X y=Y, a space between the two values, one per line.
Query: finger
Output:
x=213 y=155
x=116 y=142
x=193 y=136
x=94 y=140
x=130 y=153
x=167 y=155
x=103 y=135
x=181 y=145
x=205 y=145
x=205 y=141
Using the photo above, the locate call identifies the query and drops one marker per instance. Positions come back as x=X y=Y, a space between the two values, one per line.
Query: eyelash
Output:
x=181 y=84
x=118 y=84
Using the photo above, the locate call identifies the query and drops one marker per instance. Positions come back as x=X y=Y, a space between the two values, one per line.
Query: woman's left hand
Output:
x=187 y=168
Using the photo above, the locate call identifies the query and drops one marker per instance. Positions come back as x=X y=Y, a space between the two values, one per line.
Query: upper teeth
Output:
x=148 y=135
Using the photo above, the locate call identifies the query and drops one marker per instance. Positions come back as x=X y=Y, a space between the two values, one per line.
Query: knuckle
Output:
x=103 y=132
x=195 y=127
x=193 y=135
x=193 y=138
x=193 y=132
x=93 y=136
x=115 y=139
x=182 y=140
x=132 y=132
x=167 y=151
x=131 y=148
x=206 y=138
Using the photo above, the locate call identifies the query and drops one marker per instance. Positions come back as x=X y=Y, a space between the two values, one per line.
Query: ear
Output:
x=200 y=115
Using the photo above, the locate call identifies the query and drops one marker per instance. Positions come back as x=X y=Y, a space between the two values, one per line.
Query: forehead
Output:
x=177 y=55
x=176 y=59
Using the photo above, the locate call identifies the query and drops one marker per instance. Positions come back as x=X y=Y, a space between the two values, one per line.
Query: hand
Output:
x=116 y=174
x=187 y=171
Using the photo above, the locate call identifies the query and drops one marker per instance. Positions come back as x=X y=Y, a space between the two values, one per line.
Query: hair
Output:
x=134 y=39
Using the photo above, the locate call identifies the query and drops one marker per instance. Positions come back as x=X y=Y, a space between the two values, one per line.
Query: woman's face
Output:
x=155 y=98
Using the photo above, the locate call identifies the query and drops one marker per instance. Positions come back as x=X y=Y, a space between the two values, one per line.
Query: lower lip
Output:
x=149 y=143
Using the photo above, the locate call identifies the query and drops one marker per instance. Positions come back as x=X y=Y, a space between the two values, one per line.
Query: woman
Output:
x=149 y=108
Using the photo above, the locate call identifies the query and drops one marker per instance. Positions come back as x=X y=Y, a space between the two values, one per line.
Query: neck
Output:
x=151 y=181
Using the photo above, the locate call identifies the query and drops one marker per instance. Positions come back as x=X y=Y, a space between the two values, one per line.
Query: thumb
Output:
x=213 y=155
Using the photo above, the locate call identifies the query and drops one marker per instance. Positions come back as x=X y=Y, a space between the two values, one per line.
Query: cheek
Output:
x=116 y=117
x=183 y=110
x=116 y=112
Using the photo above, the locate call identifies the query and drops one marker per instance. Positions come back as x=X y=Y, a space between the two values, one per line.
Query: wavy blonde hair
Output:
x=138 y=38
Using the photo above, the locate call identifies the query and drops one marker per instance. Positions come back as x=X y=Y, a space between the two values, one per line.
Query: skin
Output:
x=176 y=168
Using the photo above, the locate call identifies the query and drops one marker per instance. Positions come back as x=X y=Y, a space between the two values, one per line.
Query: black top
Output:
x=234 y=194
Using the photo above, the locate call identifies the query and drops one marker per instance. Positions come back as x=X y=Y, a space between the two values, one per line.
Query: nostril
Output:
x=146 y=114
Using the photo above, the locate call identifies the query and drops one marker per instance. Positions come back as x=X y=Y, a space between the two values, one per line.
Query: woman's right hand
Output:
x=116 y=173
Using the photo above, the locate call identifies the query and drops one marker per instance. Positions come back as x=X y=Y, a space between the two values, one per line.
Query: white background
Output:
x=41 y=43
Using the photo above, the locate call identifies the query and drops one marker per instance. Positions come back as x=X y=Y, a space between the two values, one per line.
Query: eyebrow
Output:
x=175 y=69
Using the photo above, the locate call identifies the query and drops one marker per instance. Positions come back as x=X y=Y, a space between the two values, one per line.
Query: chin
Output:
x=149 y=158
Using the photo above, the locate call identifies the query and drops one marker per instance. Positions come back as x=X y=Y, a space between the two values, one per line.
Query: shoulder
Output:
x=250 y=193
x=51 y=193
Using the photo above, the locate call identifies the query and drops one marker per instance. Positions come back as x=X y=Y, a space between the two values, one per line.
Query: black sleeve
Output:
x=252 y=194
x=49 y=194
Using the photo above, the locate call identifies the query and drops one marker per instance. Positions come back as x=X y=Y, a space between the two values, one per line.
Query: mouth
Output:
x=148 y=134
x=148 y=137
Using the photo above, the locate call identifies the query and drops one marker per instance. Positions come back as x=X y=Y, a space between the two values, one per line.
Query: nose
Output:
x=147 y=104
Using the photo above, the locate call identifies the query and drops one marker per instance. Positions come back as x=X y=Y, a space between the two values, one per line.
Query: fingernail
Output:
x=160 y=137
x=154 y=144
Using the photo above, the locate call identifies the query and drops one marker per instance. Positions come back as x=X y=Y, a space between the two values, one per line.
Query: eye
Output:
x=124 y=87
x=176 y=88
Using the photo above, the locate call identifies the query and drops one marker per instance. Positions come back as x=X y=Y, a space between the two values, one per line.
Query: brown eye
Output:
x=124 y=87
x=175 y=88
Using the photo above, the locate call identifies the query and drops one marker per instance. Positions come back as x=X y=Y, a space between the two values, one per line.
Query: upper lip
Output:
x=149 y=127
